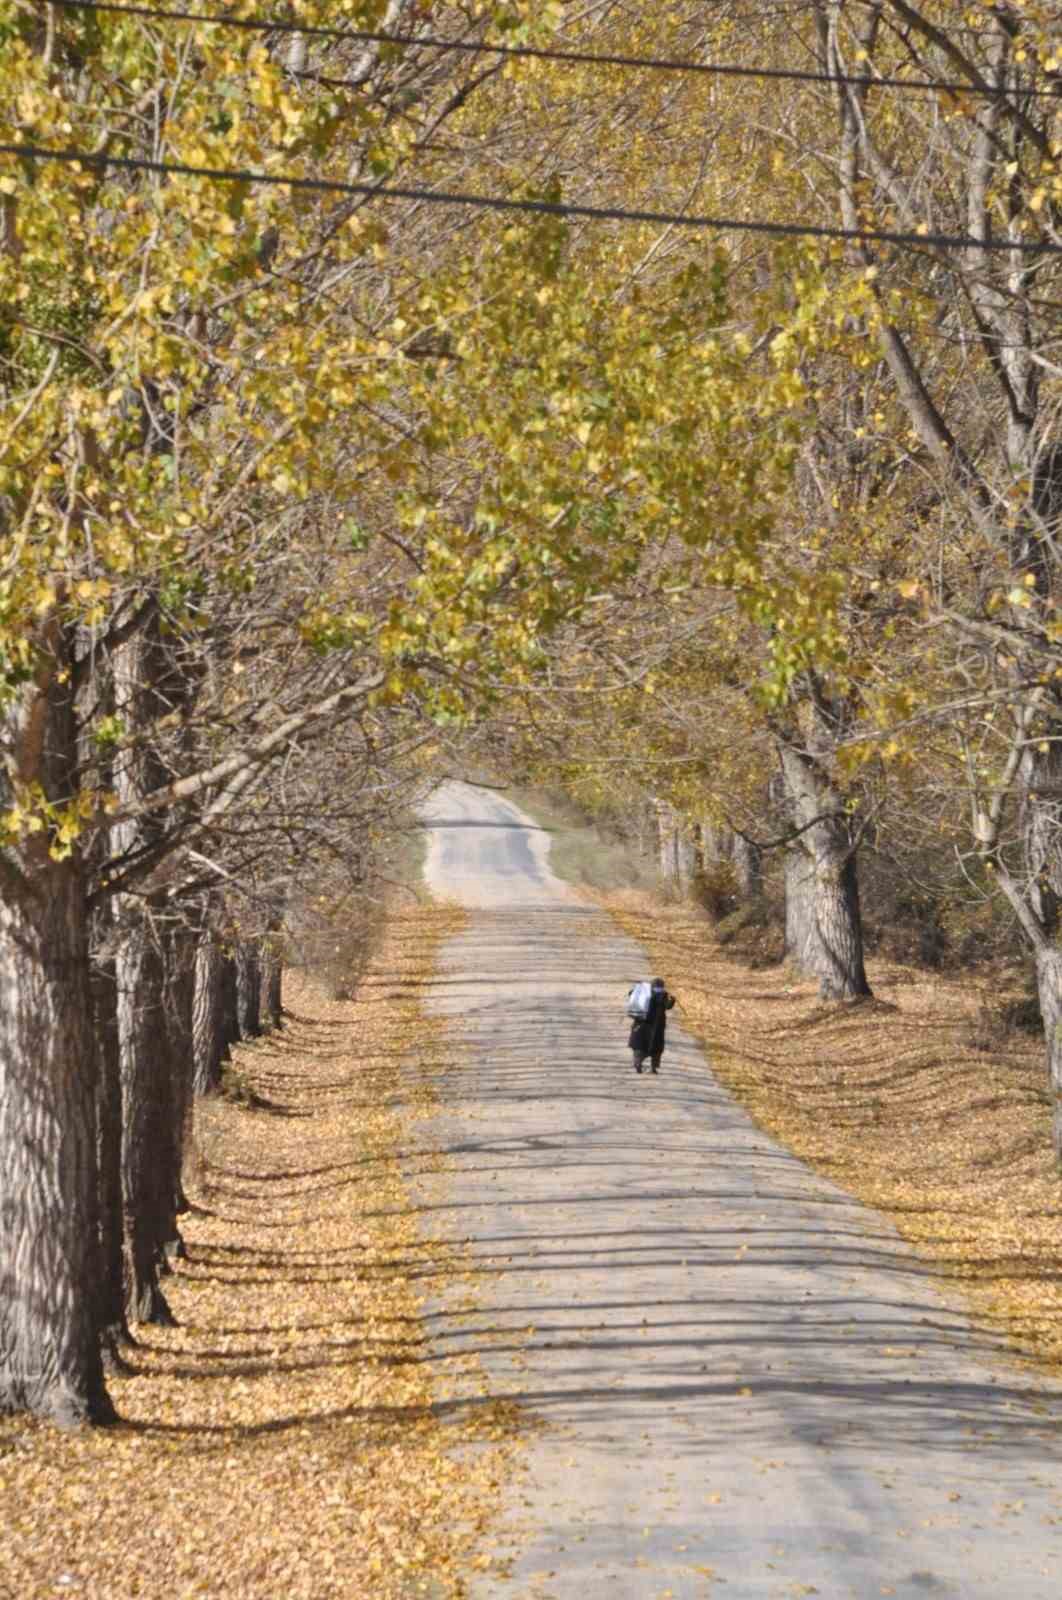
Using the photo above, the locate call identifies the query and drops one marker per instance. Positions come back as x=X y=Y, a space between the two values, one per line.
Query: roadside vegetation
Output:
x=580 y=851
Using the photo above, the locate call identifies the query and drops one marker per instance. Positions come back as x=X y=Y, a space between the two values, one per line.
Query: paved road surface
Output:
x=748 y=1385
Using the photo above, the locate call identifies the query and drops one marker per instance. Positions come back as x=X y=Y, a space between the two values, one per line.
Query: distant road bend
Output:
x=750 y=1387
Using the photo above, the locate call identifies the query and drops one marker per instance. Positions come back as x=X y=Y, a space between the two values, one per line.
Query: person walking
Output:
x=648 y=1033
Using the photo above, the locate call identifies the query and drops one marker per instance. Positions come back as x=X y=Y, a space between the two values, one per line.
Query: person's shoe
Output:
x=653 y=1070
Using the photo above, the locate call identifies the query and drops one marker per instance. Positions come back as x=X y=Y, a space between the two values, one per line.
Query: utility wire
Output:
x=545 y=53
x=549 y=208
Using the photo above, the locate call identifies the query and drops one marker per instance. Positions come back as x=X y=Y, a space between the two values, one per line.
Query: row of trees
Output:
x=789 y=510
x=290 y=480
x=204 y=706
x=810 y=494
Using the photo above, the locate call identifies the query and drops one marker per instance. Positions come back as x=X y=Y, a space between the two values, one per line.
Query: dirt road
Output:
x=748 y=1385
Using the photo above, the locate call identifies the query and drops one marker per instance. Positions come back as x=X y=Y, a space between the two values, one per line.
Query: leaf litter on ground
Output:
x=284 y=1438
x=901 y=1100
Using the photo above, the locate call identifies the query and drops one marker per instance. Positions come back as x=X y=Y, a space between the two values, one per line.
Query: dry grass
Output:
x=899 y=1102
x=582 y=852
x=283 y=1439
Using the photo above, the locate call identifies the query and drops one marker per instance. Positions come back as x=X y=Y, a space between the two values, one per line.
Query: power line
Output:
x=549 y=208
x=546 y=53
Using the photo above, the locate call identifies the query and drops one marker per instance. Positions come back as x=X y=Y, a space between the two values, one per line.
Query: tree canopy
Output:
x=353 y=388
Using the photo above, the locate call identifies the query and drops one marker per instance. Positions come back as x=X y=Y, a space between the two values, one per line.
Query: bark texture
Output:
x=49 y=1352
x=1036 y=897
x=114 y=1330
x=179 y=947
x=824 y=929
x=748 y=867
x=799 y=908
x=230 y=999
x=146 y=688
x=211 y=1029
x=272 y=982
x=49 y=1240
x=1049 y=991
x=249 y=989
x=148 y=1201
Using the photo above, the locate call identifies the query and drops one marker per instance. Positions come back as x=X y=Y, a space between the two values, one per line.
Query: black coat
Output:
x=648 y=1033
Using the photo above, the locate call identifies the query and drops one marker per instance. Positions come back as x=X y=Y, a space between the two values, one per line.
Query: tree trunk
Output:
x=49 y=1351
x=230 y=999
x=1037 y=899
x=1040 y=828
x=839 y=925
x=272 y=980
x=49 y=1240
x=1049 y=990
x=713 y=844
x=249 y=988
x=665 y=839
x=822 y=895
x=799 y=908
x=677 y=853
x=147 y=1109
x=211 y=1035
x=748 y=868
x=113 y=1326
x=114 y=1329
x=685 y=859
x=154 y=968
x=179 y=947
